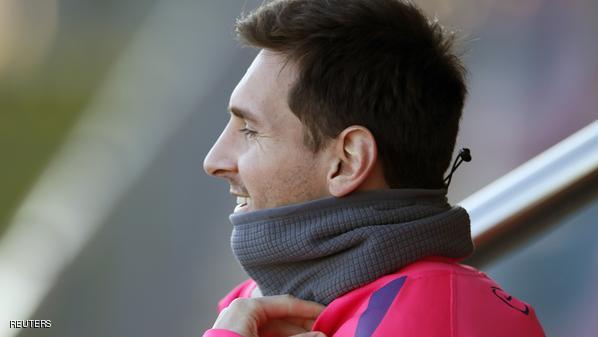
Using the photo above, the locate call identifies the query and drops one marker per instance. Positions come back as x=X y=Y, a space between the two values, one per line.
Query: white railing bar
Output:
x=537 y=180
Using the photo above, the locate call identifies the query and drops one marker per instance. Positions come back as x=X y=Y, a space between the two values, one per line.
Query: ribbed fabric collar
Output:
x=321 y=249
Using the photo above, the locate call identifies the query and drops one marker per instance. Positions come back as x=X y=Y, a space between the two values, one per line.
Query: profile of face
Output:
x=261 y=151
x=262 y=154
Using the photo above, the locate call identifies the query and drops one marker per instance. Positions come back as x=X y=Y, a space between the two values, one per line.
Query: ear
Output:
x=354 y=164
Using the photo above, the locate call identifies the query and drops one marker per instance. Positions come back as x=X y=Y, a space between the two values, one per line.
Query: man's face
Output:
x=261 y=151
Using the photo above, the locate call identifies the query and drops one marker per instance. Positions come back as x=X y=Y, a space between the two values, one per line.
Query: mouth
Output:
x=242 y=204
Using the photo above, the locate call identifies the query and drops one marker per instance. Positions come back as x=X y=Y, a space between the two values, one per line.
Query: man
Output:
x=339 y=136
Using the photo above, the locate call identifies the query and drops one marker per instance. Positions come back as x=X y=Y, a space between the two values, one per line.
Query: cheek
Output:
x=299 y=178
x=257 y=167
x=275 y=178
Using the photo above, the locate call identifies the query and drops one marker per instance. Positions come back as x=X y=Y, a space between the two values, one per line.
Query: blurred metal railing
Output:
x=534 y=196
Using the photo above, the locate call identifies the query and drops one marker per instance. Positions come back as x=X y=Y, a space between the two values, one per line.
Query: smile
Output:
x=242 y=204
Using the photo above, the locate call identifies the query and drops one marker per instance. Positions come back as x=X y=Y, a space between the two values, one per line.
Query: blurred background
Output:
x=110 y=227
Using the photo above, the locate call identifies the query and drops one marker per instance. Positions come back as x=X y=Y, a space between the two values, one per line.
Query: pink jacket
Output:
x=434 y=297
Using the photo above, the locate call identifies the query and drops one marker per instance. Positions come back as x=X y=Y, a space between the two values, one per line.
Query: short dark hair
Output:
x=376 y=63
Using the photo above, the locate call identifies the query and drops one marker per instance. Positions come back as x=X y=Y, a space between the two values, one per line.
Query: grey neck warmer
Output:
x=321 y=249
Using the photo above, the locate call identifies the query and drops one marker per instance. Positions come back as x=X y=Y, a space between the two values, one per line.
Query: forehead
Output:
x=264 y=88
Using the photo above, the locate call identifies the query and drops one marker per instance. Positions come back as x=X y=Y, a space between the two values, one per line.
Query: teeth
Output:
x=242 y=200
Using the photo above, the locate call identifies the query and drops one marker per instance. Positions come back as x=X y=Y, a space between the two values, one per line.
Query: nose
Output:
x=220 y=161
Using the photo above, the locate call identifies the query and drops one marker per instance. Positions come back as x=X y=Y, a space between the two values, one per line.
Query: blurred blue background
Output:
x=110 y=227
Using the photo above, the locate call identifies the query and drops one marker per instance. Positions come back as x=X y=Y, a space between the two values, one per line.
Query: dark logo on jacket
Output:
x=510 y=300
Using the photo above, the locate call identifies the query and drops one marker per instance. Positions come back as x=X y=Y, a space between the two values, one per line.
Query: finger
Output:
x=310 y=334
x=275 y=328
x=302 y=322
x=285 y=327
x=282 y=306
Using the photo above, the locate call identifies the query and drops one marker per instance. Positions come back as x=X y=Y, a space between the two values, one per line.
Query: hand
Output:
x=270 y=316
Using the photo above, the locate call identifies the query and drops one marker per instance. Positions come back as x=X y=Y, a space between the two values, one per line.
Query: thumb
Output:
x=310 y=334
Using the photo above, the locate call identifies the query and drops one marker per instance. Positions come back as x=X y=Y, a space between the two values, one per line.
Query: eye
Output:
x=248 y=132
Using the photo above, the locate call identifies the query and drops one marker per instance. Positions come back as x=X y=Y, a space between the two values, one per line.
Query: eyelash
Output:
x=248 y=132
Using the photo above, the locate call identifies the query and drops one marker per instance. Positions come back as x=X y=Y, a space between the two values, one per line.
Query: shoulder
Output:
x=243 y=290
x=432 y=297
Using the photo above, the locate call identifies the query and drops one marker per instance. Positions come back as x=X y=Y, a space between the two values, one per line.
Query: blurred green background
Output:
x=53 y=56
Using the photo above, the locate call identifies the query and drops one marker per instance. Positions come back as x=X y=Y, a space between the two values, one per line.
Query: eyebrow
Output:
x=243 y=114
